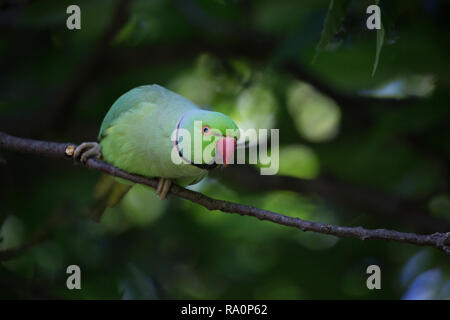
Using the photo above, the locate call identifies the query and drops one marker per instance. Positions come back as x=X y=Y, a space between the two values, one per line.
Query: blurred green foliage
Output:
x=148 y=249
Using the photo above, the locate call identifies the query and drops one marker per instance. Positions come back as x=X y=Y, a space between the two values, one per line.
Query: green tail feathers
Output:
x=108 y=193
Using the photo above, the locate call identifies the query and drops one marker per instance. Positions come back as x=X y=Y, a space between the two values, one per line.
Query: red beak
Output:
x=225 y=150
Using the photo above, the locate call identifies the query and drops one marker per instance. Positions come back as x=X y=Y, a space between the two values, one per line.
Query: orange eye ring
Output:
x=206 y=130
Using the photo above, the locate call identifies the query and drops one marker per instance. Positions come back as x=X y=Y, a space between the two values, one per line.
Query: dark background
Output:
x=363 y=150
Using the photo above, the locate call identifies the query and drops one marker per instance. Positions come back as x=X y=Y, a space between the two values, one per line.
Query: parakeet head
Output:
x=206 y=138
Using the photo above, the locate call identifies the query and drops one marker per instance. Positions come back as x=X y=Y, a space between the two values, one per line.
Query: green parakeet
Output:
x=141 y=134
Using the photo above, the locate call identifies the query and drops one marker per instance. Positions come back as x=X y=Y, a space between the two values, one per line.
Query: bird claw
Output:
x=163 y=188
x=87 y=150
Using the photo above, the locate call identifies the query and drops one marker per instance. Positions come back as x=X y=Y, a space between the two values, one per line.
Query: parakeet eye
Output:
x=206 y=130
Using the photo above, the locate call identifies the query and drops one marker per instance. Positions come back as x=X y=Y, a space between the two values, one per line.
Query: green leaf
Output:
x=126 y=32
x=380 y=41
x=335 y=16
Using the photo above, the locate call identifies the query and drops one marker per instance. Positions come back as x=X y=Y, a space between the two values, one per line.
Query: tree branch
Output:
x=65 y=150
x=342 y=193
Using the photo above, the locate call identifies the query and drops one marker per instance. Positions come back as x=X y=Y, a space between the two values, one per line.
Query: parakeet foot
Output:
x=87 y=150
x=163 y=187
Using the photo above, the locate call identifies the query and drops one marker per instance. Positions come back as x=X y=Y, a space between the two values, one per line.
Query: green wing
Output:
x=154 y=94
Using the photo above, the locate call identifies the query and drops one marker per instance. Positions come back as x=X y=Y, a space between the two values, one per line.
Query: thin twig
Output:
x=437 y=240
